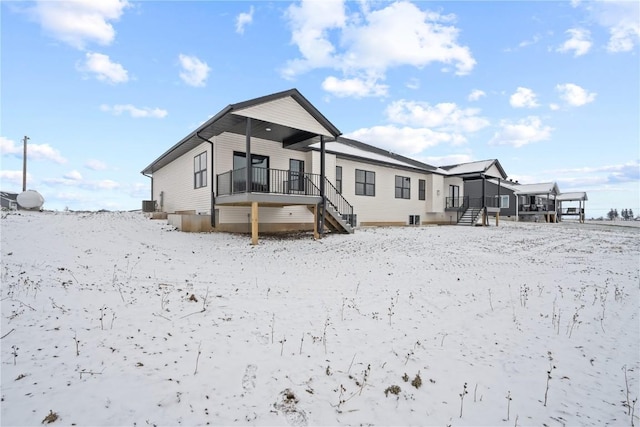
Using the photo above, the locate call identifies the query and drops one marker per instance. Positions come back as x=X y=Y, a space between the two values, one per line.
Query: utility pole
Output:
x=24 y=165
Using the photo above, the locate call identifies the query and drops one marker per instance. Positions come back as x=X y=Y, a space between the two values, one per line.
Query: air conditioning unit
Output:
x=148 y=206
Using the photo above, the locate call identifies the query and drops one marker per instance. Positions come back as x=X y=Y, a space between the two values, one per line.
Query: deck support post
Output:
x=322 y=186
x=254 y=223
x=497 y=218
x=316 y=234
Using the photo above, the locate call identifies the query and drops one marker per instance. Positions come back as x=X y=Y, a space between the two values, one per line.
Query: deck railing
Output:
x=537 y=208
x=279 y=181
x=275 y=181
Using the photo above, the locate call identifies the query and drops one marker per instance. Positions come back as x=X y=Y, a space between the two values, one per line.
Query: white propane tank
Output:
x=30 y=199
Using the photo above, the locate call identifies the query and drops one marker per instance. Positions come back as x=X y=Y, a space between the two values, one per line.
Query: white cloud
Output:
x=476 y=94
x=369 y=42
x=105 y=184
x=104 y=69
x=8 y=178
x=79 y=22
x=574 y=95
x=244 y=19
x=413 y=83
x=621 y=19
x=74 y=175
x=624 y=36
x=194 y=71
x=357 y=88
x=95 y=165
x=522 y=132
x=34 y=151
x=625 y=172
x=554 y=107
x=523 y=98
x=443 y=117
x=453 y=159
x=416 y=126
x=75 y=180
x=536 y=38
x=310 y=23
x=404 y=140
x=579 y=42
x=135 y=112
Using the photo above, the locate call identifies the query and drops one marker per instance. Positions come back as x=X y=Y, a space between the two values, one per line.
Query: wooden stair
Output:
x=334 y=221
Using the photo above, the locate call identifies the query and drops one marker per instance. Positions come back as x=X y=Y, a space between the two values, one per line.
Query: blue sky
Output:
x=551 y=89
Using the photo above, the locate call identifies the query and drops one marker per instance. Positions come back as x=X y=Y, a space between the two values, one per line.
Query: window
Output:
x=259 y=173
x=422 y=192
x=403 y=187
x=503 y=201
x=339 y=179
x=365 y=183
x=200 y=170
x=454 y=196
x=296 y=175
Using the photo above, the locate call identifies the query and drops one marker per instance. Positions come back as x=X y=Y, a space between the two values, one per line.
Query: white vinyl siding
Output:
x=384 y=207
x=285 y=111
x=494 y=171
x=225 y=144
x=176 y=182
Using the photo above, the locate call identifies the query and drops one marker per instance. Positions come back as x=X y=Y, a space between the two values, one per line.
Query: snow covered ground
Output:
x=115 y=319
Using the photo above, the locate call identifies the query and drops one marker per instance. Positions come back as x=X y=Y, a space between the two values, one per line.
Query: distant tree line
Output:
x=626 y=214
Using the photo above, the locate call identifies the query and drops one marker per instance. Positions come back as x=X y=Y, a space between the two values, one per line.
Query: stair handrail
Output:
x=462 y=209
x=338 y=202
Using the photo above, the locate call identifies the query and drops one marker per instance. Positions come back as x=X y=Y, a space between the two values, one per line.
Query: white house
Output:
x=303 y=175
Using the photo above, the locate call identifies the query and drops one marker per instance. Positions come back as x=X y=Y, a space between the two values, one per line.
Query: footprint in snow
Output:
x=249 y=378
x=288 y=406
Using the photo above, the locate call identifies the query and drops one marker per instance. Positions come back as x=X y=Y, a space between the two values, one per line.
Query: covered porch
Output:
x=291 y=123
x=572 y=211
x=537 y=201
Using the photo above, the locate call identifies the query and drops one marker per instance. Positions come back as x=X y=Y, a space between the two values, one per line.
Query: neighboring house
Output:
x=8 y=200
x=303 y=175
x=565 y=199
x=537 y=201
x=481 y=195
x=499 y=194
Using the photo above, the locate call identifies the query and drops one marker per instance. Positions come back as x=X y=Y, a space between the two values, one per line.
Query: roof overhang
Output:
x=477 y=170
x=572 y=197
x=550 y=188
x=297 y=130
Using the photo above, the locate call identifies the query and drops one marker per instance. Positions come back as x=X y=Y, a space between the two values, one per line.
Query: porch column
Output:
x=249 y=170
x=254 y=223
x=484 y=203
x=548 y=213
x=485 y=217
x=322 y=189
